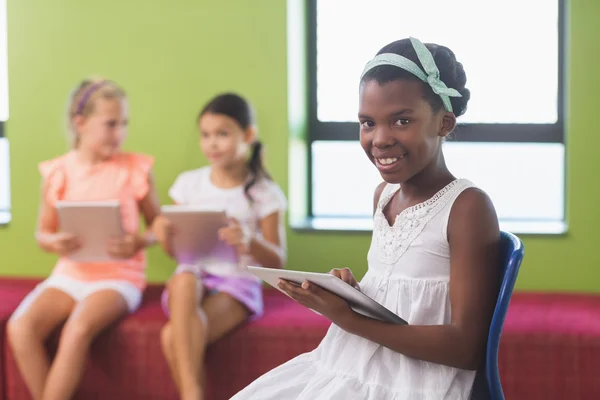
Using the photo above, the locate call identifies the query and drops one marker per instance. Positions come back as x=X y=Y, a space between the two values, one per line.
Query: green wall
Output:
x=173 y=56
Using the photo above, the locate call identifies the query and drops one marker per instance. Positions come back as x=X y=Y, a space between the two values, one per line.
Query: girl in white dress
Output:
x=434 y=257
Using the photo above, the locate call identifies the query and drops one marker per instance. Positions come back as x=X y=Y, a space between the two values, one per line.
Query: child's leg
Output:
x=185 y=348
x=185 y=334
x=95 y=313
x=223 y=313
x=166 y=342
x=28 y=330
x=169 y=353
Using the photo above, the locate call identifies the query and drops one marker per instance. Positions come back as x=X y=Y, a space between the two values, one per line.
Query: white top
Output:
x=196 y=188
x=409 y=273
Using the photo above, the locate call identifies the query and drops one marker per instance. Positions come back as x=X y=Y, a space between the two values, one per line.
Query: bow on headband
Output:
x=431 y=75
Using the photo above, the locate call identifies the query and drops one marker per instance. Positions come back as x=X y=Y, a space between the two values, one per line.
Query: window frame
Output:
x=465 y=132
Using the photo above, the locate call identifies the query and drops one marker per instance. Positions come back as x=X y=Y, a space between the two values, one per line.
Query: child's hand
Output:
x=163 y=231
x=125 y=247
x=320 y=300
x=346 y=275
x=63 y=243
x=234 y=235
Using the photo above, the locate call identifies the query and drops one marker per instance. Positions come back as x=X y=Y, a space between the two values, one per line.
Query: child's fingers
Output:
x=310 y=289
x=345 y=274
x=225 y=233
x=336 y=272
x=64 y=236
x=164 y=237
x=163 y=228
x=116 y=241
x=241 y=249
x=233 y=238
x=168 y=247
x=283 y=285
x=350 y=280
x=114 y=244
x=67 y=246
x=301 y=293
x=120 y=248
x=290 y=288
x=73 y=243
x=113 y=252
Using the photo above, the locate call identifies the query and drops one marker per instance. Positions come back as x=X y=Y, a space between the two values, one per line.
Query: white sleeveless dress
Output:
x=409 y=273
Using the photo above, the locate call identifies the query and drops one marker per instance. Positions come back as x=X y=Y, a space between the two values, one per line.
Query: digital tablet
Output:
x=359 y=302
x=196 y=235
x=94 y=223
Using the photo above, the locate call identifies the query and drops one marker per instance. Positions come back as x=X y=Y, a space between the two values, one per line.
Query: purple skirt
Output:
x=246 y=291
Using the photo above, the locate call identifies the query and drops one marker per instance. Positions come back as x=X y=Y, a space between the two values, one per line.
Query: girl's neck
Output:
x=429 y=181
x=229 y=177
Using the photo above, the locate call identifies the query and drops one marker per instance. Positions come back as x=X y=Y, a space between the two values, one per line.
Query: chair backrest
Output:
x=487 y=383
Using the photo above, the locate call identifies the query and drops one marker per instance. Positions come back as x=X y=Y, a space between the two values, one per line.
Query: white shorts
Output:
x=79 y=290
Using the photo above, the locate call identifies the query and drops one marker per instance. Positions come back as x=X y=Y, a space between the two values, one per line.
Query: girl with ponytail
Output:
x=204 y=302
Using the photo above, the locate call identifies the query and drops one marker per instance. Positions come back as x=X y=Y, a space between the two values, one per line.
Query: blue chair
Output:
x=487 y=384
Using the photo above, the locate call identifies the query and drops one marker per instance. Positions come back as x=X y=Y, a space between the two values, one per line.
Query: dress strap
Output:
x=387 y=193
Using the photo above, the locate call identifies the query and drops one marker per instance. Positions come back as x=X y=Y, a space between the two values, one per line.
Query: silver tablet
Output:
x=94 y=223
x=196 y=235
x=359 y=302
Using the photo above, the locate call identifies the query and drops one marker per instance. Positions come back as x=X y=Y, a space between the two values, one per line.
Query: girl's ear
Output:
x=250 y=135
x=78 y=122
x=448 y=124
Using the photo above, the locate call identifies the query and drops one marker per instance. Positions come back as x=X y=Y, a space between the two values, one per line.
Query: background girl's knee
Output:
x=184 y=285
x=20 y=333
x=182 y=281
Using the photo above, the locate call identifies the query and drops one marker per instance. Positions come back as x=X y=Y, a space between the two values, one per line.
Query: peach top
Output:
x=124 y=177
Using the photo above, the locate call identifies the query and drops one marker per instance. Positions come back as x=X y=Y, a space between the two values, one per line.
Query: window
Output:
x=511 y=140
x=4 y=159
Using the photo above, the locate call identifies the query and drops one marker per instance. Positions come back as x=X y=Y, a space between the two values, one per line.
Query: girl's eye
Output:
x=111 y=124
x=401 y=121
x=223 y=133
x=367 y=124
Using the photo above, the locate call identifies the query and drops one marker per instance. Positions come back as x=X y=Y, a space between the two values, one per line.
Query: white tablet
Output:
x=94 y=223
x=359 y=302
x=196 y=235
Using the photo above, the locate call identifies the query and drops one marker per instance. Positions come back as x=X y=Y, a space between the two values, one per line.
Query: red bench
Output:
x=550 y=349
x=126 y=362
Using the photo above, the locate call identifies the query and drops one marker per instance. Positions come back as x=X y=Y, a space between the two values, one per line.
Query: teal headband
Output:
x=431 y=75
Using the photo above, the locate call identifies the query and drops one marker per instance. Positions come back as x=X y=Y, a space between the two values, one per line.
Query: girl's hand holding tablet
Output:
x=234 y=235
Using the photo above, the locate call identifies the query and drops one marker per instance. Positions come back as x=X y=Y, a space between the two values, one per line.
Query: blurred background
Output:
x=528 y=137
